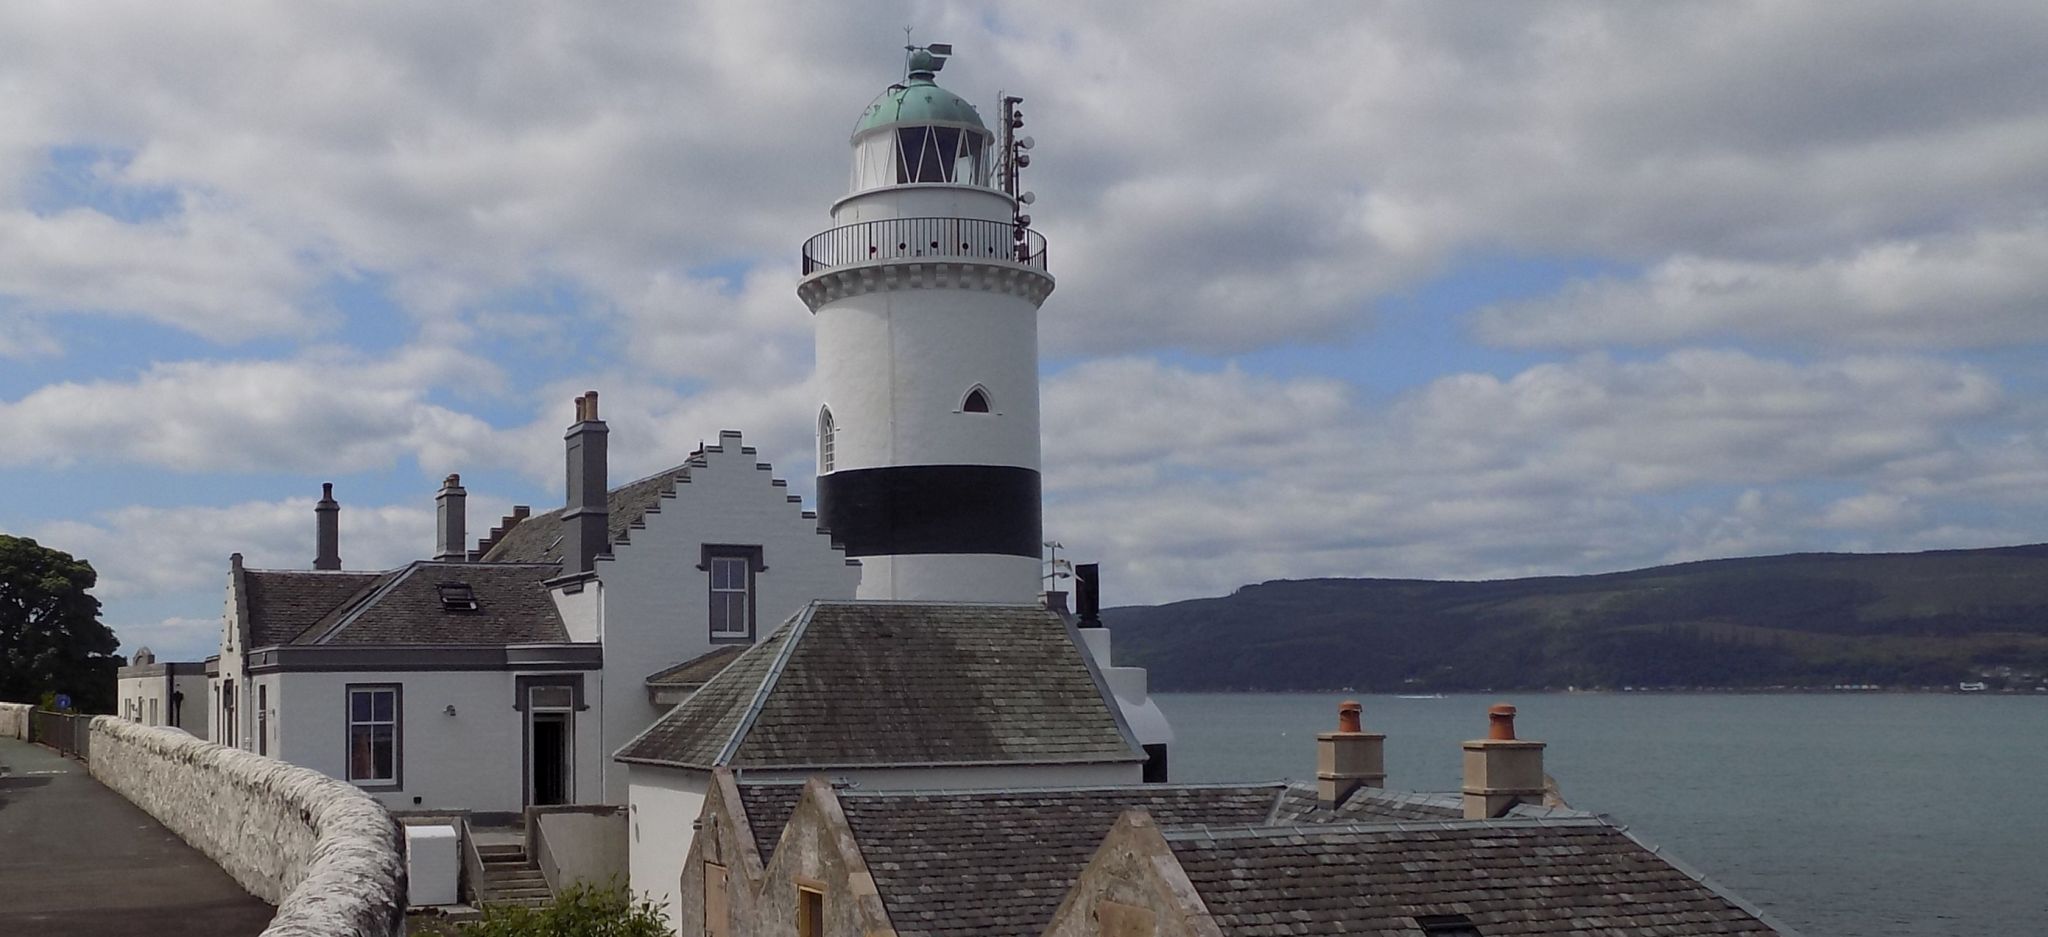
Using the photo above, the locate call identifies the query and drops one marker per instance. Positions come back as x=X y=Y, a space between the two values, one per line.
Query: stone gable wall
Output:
x=14 y=720
x=328 y=856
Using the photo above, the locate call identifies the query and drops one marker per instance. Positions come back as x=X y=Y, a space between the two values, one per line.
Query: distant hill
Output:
x=1809 y=619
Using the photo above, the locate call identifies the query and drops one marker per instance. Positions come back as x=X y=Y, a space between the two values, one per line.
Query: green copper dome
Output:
x=918 y=101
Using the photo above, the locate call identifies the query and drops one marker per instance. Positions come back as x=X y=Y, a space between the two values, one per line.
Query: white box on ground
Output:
x=432 y=865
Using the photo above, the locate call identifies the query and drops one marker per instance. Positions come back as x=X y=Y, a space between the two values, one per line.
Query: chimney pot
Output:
x=1500 y=722
x=327 y=530
x=1348 y=716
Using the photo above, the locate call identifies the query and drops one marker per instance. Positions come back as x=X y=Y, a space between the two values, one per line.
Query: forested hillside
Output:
x=1907 y=619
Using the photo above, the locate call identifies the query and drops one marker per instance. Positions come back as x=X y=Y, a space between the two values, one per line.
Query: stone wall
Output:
x=328 y=856
x=14 y=720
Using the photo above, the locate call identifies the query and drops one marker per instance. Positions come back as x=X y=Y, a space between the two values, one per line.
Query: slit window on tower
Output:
x=826 y=432
x=976 y=402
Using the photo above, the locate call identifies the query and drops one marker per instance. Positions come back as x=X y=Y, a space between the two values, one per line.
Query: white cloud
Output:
x=1578 y=467
x=324 y=412
x=1984 y=289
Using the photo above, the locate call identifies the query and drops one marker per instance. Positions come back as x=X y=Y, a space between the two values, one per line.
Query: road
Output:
x=79 y=859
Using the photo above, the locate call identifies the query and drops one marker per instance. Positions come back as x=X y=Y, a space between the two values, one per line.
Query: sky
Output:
x=1430 y=289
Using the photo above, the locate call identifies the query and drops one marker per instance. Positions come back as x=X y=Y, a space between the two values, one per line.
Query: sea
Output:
x=1861 y=814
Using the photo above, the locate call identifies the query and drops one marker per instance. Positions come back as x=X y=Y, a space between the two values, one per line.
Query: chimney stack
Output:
x=451 y=509
x=1501 y=770
x=1349 y=758
x=587 y=536
x=1088 y=595
x=327 y=530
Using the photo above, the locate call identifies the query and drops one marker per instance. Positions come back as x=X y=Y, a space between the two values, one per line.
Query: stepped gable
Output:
x=282 y=604
x=849 y=684
x=431 y=603
x=1511 y=876
x=538 y=538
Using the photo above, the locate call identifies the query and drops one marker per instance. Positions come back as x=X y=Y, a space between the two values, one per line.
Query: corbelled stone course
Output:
x=14 y=720
x=327 y=855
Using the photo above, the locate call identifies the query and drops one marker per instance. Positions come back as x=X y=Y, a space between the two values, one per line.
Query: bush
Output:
x=579 y=911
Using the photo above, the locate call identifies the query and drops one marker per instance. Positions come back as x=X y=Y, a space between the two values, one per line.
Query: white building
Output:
x=504 y=676
x=163 y=693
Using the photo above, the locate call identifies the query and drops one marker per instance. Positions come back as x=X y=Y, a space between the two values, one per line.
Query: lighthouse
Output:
x=924 y=295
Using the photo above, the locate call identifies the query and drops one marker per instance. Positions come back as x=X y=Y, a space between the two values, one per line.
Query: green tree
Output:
x=51 y=637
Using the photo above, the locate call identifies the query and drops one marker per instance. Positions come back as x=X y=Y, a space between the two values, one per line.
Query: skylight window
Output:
x=456 y=596
x=1447 y=925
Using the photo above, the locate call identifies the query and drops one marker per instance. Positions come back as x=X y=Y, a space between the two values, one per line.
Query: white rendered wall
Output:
x=192 y=713
x=962 y=577
x=922 y=200
x=894 y=366
x=1132 y=689
x=474 y=759
x=656 y=600
x=661 y=823
x=582 y=612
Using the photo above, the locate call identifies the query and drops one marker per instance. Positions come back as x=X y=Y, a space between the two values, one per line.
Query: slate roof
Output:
x=538 y=539
x=696 y=671
x=999 y=862
x=402 y=606
x=282 y=604
x=1509 y=877
x=405 y=607
x=847 y=684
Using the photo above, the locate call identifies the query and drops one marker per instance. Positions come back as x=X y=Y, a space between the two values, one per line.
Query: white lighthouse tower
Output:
x=925 y=295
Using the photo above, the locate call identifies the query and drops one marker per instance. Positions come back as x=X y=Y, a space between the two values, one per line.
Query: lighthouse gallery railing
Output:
x=904 y=238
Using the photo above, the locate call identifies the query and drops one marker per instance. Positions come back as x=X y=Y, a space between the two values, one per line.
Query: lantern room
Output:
x=918 y=132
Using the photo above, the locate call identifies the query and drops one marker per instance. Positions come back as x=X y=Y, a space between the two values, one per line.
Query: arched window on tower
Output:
x=976 y=401
x=826 y=431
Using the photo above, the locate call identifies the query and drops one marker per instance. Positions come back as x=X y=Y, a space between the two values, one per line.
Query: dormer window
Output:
x=456 y=596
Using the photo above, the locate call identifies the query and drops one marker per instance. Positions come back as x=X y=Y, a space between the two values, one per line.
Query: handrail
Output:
x=904 y=238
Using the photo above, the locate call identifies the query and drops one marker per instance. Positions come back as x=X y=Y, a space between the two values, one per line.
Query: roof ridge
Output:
x=356 y=607
x=767 y=686
x=1191 y=832
x=1139 y=788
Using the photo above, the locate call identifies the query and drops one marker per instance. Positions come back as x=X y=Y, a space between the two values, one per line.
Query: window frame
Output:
x=810 y=910
x=988 y=401
x=751 y=556
x=263 y=719
x=828 y=441
x=397 y=723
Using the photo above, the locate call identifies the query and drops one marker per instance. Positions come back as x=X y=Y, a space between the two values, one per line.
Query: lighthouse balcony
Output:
x=939 y=239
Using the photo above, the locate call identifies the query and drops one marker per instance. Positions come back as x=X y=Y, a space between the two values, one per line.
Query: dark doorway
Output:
x=548 y=759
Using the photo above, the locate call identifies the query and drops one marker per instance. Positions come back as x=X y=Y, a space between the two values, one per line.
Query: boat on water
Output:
x=1420 y=696
x=1968 y=686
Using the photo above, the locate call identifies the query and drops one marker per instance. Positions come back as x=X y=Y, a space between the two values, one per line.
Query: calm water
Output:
x=1873 y=816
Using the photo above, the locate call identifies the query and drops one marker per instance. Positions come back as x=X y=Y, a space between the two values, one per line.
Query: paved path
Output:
x=79 y=859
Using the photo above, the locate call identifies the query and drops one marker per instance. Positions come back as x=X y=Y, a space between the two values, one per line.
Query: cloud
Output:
x=1582 y=466
x=1984 y=289
x=329 y=411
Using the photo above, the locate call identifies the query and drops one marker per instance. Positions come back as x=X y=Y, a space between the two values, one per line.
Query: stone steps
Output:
x=510 y=877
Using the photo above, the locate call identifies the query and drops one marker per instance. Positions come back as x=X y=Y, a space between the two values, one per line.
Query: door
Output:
x=548 y=759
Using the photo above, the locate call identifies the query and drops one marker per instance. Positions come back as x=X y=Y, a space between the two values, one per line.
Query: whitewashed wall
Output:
x=661 y=816
x=14 y=720
x=656 y=600
x=472 y=760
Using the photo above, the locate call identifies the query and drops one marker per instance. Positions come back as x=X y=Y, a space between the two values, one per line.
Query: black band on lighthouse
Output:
x=908 y=509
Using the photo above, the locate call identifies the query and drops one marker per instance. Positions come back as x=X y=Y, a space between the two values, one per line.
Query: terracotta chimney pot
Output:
x=1500 y=722
x=1348 y=716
